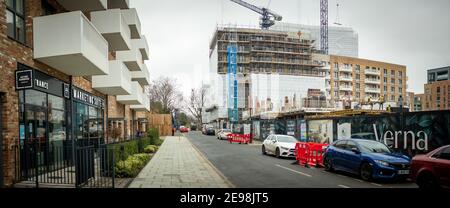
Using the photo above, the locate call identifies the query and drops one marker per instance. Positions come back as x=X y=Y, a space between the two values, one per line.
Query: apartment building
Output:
x=354 y=81
x=437 y=96
x=270 y=67
x=72 y=73
x=419 y=100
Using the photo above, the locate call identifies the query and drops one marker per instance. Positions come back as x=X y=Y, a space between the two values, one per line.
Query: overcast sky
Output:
x=415 y=33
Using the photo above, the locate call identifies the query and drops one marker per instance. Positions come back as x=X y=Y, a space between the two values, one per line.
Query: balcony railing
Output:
x=372 y=72
x=373 y=90
x=132 y=18
x=111 y=24
x=372 y=81
x=70 y=43
x=345 y=78
x=117 y=82
x=135 y=98
x=345 y=88
x=142 y=77
x=346 y=69
x=132 y=58
x=142 y=45
x=145 y=106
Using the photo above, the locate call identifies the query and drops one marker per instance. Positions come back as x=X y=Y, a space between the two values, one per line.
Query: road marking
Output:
x=342 y=186
x=359 y=180
x=376 y=184
x=307 y=175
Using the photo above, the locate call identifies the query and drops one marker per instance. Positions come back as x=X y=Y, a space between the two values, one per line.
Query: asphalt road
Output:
x=246 y=167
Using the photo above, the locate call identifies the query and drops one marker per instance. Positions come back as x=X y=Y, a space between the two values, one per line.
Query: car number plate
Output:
x=403 y=172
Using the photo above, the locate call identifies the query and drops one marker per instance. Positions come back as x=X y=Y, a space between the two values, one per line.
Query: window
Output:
x=400 y=82
x=400 y=74
x=350 y=145
x=385 y=71
x=392 y=73
x=340 y=144
x=15 y=19
x=385 y=88
x=392 y=89
x=392 y=81
x=385 y=80
x=443 y=154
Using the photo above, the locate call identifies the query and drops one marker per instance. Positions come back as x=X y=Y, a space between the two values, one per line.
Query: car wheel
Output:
x=328 y=164
x=366 y=172
x=263 y=149
x=277 y=153
x=426 y=181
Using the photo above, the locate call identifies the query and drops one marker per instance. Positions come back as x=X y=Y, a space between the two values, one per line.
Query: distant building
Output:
x=418 y=102
x=437 y=96
x=342 y=41
x=355 y=80
x=438 y=74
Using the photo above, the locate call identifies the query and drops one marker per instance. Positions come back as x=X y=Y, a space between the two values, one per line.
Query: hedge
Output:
x=131 y=167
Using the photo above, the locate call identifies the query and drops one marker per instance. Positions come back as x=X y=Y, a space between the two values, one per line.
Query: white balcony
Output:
x=111 y=24
x=118 y=4
x=135 y=98
x=117 y=82
x=142 y=45
x=132 y=58
x=345 y=79
x=373 y=90
x=132 y=19
x=70 y=43
x=372 y=81
x=372 y=72
x=84 y=5
x=345 y=88
x=145 y=106
x=346 y=69
x=142 y=77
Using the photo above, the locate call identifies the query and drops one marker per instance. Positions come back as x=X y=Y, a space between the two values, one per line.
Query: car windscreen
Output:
x=226 y=130
x=373 y=147
x=287 y=139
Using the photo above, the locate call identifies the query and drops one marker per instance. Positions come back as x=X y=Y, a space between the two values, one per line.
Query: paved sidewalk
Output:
x=178 y=164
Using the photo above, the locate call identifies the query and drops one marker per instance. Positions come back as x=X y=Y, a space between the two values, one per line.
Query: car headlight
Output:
x=382 y=163
x=285 y=148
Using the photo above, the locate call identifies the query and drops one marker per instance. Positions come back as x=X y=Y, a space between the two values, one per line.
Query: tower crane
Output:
x=268 y=17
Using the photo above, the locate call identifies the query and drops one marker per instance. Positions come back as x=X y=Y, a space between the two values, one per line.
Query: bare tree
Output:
x=165 y=95
x=196 y=102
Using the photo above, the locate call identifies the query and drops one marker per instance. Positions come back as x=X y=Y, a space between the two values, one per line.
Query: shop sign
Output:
x=87 y=98
x=24 y=79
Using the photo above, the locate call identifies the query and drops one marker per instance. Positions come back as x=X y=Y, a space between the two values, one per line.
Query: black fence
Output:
x=81 y=167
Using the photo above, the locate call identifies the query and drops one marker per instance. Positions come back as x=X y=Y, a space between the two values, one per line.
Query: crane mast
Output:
x=324 y=26
x=268 y=17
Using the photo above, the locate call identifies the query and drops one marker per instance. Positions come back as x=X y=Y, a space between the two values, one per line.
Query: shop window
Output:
x=15 y=19
x=37 y=98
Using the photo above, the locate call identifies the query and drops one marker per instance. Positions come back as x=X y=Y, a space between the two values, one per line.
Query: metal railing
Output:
x=80 y=167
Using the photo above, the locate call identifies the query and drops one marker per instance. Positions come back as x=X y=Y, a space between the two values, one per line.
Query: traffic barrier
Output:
x=239 y=138
x=310 y=154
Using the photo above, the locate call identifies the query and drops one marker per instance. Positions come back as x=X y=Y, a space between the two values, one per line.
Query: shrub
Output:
x=131 y=167
x=150 y=149
x=153 y=135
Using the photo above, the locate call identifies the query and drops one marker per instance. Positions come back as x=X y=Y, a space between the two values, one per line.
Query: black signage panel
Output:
x=82 y=96
x=24 y=79
x=38 y=81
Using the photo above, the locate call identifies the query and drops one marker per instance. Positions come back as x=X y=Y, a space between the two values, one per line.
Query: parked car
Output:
x=223 y=133
x=210 y=131
x=369 y=159
x=194 y=128
x=279 y=145
x=183 y=129
x=432 y=170
x=204 y=127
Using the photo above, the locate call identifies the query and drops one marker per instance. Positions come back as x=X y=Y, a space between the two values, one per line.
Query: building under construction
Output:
x=274 y=69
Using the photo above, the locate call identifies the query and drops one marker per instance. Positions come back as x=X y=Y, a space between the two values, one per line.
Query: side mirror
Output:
x=355 y=150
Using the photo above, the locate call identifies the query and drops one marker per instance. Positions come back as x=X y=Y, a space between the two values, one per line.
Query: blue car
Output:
x=372 y=160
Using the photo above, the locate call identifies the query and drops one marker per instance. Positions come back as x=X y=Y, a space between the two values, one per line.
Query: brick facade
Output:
x=12 y=53
x=437 y=96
